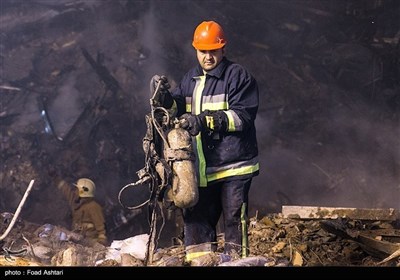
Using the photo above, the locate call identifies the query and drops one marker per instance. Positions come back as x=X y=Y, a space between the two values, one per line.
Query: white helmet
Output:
x=86 y=187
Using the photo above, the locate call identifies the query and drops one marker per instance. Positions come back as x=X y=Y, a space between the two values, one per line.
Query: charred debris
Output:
x=74 y=91
x=299 y=236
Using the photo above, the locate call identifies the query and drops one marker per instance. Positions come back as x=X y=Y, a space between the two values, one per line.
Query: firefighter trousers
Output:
x=229 y=198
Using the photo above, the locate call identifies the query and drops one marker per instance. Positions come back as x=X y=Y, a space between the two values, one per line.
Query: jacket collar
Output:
x=217 y=71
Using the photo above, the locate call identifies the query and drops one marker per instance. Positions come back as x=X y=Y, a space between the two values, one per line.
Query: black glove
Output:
x=211 y=121
x=192 y=123
x=216 y=121
x=162 y=97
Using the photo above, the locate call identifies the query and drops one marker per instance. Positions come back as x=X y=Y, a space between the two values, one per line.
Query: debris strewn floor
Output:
x=274 y=241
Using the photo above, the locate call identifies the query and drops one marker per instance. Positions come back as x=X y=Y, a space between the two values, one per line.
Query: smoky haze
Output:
x=352 y=158
x=328 y=73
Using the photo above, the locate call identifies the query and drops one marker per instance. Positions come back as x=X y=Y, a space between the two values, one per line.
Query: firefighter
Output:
x=217 y=102
x=87 y=214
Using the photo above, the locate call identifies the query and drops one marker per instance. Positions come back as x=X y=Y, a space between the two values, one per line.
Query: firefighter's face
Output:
x=210 y=59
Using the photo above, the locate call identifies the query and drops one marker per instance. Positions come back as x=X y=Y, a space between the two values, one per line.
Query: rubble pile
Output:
x=306 y=243
x=74 y=90
x=46 y=245
x=273 y=241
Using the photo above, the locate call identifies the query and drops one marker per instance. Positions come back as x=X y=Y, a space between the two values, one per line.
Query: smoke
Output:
x=355 y=164
x=28 y=114
x=151 y=38
x=67 y=107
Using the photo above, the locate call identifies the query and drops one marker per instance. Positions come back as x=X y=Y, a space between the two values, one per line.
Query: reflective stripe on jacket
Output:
x=231 y=88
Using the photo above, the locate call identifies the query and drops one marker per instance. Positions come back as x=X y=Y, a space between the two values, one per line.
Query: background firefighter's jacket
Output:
x=87 y=214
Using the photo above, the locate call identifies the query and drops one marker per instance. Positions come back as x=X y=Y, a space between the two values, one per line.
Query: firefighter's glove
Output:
x=192 y=123
x=162 y=97
x=209 y=121
x=216 y=121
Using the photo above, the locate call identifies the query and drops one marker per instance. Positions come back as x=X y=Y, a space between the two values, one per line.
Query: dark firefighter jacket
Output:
x=230 y=88
x=87 y=214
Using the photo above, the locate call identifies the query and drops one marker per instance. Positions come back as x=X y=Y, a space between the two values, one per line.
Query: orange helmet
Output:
x=208 y=36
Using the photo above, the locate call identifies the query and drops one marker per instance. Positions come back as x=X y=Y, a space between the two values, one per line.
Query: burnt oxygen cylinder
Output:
x=180 y=153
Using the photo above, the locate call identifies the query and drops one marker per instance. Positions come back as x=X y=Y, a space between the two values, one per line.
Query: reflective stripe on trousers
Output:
x=229 y=198
x=195 y=251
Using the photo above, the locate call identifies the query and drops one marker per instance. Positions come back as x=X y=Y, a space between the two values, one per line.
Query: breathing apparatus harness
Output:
x=166 y=159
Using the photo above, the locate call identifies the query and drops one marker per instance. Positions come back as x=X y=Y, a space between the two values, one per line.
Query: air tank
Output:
x=180 y=153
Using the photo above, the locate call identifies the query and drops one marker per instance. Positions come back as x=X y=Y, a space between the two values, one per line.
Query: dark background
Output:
x=328 y=122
